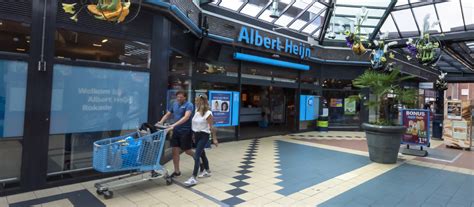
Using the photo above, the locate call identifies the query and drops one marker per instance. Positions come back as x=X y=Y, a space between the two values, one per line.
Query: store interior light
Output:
x=1 y=23
x=179 y=56
x=105 y=40
x=20 y=49
x=96 y=45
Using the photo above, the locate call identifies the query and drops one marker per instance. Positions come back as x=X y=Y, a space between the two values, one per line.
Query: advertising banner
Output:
x=13 y=78
x=460 y=130
x=309 y=107
x=457 y=124
x=417 y=122
x=454 y=110
x=221 y=104
x=87 y=99
x=349 y=106
x=235 y=108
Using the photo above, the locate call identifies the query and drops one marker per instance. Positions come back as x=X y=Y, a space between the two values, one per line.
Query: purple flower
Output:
x=412 y=49
x=349 y=42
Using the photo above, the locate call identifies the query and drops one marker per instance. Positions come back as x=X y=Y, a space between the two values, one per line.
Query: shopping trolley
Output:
x=131 y=152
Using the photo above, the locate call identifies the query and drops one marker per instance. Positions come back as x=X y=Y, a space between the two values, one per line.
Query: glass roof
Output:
x=346 y=11
x=301 y=16
x=407 y=19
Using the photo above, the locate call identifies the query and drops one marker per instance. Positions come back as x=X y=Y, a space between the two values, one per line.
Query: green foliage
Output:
x=382 y=85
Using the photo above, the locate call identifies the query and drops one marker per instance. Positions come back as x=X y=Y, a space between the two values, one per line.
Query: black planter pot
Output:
x=383 y=142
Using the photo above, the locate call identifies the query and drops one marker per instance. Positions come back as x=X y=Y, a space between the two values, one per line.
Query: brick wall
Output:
x=455 y=91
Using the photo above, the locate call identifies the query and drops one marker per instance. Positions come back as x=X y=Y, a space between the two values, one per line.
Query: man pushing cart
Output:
x=139 y=152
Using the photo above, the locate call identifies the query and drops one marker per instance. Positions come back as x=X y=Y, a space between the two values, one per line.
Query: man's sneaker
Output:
x=191 y=181
x=204 y=174
x=175 y=174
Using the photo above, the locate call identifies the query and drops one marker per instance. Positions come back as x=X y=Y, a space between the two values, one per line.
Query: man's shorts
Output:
x=182 y=139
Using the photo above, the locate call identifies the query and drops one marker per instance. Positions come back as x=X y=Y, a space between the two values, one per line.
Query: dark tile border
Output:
x=77 y=198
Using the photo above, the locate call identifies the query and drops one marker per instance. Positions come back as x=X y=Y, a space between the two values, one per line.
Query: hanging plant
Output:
x=115 y=11
x=378 y=56
x=354 y=39
x=427 y=49
x=441 y=83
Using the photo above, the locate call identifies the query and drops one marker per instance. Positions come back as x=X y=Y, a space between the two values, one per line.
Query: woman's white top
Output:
x=200 y=122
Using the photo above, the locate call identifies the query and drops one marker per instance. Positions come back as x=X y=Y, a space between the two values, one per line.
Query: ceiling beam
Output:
x=462 y=13
x=457 y=57
x=414 y=18
x=454 y=36
x=359 y=6
x=312 y=20
x=454 y=66
x=242 y=6
x=264 y=8
x=301 y=13
x=437 y=17
x=284 y=10
x=354 y=16
x=382 y=20
x=326 y=23
x=418 y=4
x=463 y=78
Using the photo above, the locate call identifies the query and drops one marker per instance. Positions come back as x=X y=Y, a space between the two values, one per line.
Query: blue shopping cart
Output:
x=131 y=152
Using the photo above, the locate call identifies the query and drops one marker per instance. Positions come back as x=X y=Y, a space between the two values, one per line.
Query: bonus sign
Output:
x=417 y=123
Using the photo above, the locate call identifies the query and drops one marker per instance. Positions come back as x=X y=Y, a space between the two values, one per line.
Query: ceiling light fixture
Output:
x=179 y=56
x=1 y=23
x=20 y=49
x=96 y=45
x=105 y=40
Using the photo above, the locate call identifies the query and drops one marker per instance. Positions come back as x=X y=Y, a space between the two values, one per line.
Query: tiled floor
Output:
x=308 y=169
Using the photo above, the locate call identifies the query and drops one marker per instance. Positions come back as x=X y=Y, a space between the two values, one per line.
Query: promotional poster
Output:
x=418 y=129
x=87 y=99
x=349 y=106
x=220 y=102
x=454 y=110
x=309 y=107
x=336 y=103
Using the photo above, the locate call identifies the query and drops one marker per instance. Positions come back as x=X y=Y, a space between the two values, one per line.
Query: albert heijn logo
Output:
x=254 y=37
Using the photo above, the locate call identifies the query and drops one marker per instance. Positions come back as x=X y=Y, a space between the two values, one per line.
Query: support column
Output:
x=159 y=70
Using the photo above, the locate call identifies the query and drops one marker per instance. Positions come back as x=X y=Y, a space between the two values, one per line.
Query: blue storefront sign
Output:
x=256 y=38
x=224 y=107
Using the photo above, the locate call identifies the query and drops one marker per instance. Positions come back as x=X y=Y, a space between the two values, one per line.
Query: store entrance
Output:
x=266 y=111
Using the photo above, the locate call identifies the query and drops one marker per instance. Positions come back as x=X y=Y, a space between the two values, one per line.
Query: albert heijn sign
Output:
x=254 y=37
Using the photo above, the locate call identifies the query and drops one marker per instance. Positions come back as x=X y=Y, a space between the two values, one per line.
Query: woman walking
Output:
x=202 y=126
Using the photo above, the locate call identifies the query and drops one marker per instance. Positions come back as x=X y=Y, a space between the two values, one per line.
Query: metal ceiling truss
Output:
x=327 y=20
x=301 y=13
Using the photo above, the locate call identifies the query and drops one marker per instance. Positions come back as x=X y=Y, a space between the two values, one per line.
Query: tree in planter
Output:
x=382 y=85
x=384 y=136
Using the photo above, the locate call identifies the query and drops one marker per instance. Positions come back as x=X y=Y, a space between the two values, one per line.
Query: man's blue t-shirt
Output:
x=178 y=111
